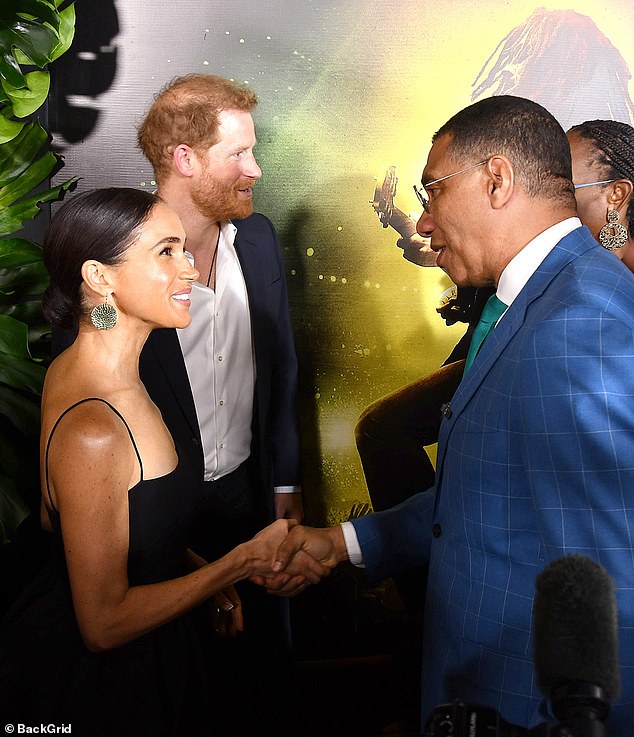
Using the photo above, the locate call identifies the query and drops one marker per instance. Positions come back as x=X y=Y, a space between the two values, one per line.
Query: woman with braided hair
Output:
x=603 y=173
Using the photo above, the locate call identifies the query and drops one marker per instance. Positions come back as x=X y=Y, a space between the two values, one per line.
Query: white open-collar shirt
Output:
x=218 y=351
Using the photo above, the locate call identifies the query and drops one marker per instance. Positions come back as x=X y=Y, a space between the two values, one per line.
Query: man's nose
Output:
x=251 y=168
x=425 y=225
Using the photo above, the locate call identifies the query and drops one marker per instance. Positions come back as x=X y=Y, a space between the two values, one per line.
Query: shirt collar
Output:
x=524 y=264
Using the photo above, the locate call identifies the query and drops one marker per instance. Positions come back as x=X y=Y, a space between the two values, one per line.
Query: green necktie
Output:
x=493 y=310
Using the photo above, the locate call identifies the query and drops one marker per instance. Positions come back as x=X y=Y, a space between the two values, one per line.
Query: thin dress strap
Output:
x=59 y=419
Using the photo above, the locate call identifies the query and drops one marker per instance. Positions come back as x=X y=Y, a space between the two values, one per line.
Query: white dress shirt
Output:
x=218 y=351
x=512 y=280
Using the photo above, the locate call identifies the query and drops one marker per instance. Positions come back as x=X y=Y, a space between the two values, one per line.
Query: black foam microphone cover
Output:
x=575 y=627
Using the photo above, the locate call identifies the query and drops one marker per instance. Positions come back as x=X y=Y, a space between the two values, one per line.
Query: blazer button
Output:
x=445 y=410
x=436 y=530
x=195 y=442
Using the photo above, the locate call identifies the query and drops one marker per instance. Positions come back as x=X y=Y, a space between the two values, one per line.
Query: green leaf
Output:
x=17 y=155
x=21 y=411
x=9 y=68
x=32 y=33
x=44 y=9
x=38 y=172
x=13 y=338
x=26 y=100
x=18 y=251
x=32 y=37
x=13 y=509
x=24 y=281
x=9 y=129
x=66 y=31
x=29 y=312
x=13 y=218
x=21 y=373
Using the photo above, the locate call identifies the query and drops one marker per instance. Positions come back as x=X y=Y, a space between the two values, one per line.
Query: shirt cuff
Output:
x=287 y=489
x=352 y=544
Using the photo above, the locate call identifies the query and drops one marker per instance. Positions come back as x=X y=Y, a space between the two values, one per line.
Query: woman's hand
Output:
x=262 y=548
x=227 y=605
x=300 y=570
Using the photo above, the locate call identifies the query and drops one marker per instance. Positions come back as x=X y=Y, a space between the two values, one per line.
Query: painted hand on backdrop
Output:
x=416 y=249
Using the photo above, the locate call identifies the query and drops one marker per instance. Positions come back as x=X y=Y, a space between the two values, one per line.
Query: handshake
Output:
x=288 y=557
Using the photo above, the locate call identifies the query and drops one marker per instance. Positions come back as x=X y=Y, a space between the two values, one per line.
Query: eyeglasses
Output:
x=420 y=193
x=591 y=184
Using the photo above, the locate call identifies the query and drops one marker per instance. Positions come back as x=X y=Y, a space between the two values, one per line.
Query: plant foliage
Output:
x=33 y=33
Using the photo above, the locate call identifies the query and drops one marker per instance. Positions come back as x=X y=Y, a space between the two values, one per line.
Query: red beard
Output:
x=219 y=201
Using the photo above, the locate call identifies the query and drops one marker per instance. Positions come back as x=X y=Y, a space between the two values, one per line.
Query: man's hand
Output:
x=289 y=506
x=325 y=545
x=304 y=552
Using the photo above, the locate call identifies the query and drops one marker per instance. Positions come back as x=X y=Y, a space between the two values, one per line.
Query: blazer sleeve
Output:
x=396 y=539
x=282 y=430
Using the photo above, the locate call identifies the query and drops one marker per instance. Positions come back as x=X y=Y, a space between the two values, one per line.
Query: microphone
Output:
x=575 y=642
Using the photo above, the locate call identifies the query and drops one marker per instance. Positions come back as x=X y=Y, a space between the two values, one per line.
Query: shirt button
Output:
x=436 y=530
x=222 y=445
x=221 y=402
x=220 y=358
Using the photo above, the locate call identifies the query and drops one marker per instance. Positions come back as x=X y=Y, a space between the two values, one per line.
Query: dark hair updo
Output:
x=99 y=224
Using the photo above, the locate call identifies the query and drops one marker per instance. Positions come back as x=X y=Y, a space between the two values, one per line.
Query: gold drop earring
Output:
x=613 y=235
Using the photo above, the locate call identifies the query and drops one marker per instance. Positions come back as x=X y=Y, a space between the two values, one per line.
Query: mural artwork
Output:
x=350 y=95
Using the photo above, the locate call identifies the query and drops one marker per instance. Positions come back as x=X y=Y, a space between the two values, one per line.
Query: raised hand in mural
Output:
x=416 y=249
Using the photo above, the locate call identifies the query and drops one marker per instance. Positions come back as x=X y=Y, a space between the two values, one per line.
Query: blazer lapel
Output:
x=569 y=248
x=164 y=351
x=256 y=272
x=246 y=251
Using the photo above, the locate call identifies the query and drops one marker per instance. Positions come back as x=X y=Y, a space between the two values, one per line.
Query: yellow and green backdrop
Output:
x=346 y=89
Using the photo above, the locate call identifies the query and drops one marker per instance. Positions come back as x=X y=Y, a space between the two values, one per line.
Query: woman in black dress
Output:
x=111 y=638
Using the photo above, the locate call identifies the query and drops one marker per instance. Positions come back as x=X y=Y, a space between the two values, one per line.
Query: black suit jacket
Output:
x=275 y=444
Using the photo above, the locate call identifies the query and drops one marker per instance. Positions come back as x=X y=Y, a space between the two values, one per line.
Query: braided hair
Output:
x=614 y=143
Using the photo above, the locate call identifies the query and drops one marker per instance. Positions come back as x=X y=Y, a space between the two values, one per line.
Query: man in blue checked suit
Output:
x=536 y=451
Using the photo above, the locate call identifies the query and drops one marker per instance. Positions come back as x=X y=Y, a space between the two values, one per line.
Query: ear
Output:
x=620 y=194
x=185 y=159
x=96 y=278
x=501 y=180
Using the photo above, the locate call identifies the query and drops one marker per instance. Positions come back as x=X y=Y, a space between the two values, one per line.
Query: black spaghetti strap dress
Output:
x=156 y=685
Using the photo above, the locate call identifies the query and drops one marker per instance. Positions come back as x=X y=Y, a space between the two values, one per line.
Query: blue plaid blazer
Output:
x=536 y=460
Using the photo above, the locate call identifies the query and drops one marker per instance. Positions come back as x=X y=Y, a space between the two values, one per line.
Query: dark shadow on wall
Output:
x=307 y=376
x=359 y=332
x=88 y=69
